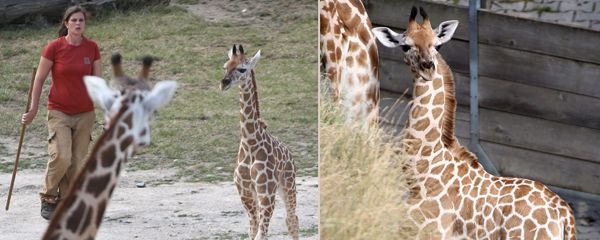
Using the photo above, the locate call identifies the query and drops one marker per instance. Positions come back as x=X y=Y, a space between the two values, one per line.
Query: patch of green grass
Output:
x=198 y=132
x=307 y=232
x=188 y=2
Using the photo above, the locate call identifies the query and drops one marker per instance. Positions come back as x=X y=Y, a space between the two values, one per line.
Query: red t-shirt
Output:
x=71 y=63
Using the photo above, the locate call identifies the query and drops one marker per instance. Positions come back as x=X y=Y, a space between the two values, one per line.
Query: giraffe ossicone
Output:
x=453 y=196
x=80 y=213
x=264 y=164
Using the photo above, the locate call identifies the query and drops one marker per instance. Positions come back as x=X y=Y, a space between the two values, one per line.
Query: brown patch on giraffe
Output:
x=107 y=156
x=338 y=54
x=437 y=83
x=363 y=79
x=121 y=130
x=418 y=112
x=86 y=219
x=364 y=35
x=432 y=135
x=515 y=234
x=437 y=170
x=126 y=143
x=250 y=127
x=362 y=57
x=487 y=210
x=358 y=6
x=430 y=209
x=426 y=151
x=425 y=100
x=261 y=155
x=506 y=190
x=350 y=64
x=262 y=179
x=438 y=99
x=75 y=218
x=420 y=90
x=447 y=219
x=540 y=216
x=522 y=191
x=374 y=58
x=433 y=186
x=522 y=208
x=467 y=208
x=553 y=227
x=97 y=185
x=445 y=201
x=458 y=226
x=437 y=158
x=506 y=199
x=357 y=99
x=422 y=165
x=447 y=174
x=436 y=112
x=529 y=228
x=542 y=234
x=513 y=222
x=421 y=125
x=128 y=120
x=373 y=92
x=447 y=156
x=470 y=229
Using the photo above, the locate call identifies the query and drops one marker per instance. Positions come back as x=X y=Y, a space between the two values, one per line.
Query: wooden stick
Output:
x=14 y=173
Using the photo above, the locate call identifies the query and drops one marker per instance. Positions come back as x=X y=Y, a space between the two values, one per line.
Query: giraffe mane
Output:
x=255 y=94
x=449 y=120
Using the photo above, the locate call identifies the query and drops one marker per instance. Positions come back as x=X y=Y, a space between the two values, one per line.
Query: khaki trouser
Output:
x=68 y=141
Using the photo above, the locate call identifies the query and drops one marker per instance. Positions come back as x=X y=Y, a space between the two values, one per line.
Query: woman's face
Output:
x=76 y=23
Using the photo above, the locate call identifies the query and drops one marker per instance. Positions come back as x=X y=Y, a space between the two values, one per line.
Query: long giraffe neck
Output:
x=350 y=58
x=249 y=108
x=80 y=214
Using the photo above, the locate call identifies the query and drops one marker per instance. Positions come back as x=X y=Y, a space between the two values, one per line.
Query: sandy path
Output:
x=169 y=211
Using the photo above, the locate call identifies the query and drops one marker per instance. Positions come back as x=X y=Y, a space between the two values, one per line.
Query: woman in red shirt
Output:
x=70 y=110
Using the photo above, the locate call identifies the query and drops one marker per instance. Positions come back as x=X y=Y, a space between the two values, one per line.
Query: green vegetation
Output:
x=198 y=132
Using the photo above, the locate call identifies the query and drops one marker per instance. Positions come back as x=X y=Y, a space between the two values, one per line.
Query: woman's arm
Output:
x=40 y=77
x=97 y=68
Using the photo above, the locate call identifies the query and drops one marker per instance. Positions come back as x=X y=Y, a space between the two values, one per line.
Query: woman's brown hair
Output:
x=62 y=31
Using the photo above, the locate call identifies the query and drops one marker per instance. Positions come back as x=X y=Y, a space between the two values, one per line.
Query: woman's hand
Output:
x=29 y=116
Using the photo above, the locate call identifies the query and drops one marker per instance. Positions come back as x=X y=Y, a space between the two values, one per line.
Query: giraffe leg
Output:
x=288 y=194
x=266 y=202
x=249 y=202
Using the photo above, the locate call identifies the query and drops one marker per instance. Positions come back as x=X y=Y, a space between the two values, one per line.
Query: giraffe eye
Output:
x=437 y=48
x=405 y=47
x=241 y=70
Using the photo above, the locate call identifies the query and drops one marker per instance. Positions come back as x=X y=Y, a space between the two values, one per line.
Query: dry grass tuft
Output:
x=363 y=187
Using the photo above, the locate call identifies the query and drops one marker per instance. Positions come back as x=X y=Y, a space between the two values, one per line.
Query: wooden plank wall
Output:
x=539 y=91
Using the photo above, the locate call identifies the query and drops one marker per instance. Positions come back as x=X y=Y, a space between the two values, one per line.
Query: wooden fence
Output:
x=539 y=91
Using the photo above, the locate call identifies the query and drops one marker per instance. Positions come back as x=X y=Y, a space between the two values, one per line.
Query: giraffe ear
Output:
x=101 y=94
x=445 y=31
x=389 y=38
x=161 y=95
x=231 y=52
x=252 y=62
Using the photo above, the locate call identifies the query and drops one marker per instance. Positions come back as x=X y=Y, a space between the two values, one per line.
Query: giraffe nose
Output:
x=225 y=84
x=427 y=65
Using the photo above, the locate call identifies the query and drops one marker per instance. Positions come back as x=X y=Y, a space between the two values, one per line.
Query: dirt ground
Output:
x=176 y=210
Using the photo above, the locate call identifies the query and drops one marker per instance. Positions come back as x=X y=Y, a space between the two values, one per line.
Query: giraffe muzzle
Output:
x=225 y=84
x=427 y=65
